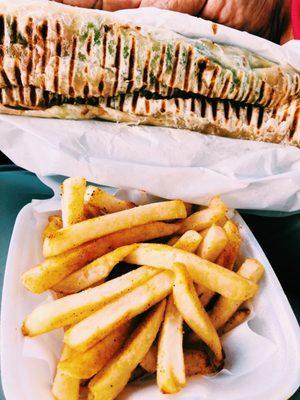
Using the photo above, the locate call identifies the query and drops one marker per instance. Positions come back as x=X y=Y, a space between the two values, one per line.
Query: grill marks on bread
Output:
x=181 y=65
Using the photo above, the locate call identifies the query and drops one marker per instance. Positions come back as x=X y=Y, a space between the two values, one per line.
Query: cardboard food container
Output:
x=262 y=354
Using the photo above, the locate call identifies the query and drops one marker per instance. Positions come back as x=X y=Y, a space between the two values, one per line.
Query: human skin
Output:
x=266 y=18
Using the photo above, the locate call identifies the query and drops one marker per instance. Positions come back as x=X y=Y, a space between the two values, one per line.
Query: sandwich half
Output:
x=64 y=62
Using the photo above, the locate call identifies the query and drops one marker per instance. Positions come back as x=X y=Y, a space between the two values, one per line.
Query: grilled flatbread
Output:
x=62 y=62
x=83 y=53
x=211 y=116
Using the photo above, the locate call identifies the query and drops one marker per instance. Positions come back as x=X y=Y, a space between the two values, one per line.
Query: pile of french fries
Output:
x=132 y=306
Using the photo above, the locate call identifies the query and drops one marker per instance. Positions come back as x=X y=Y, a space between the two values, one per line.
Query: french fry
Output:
x=214 y=277
x=65 y=387
x=54 y=224
x=87 y=364
x=149 y=362
x=224 y=308
x=196 y=362
x=213 y=244
x=95 y=327
x=72 y=201
x=237 y=319
x=171 y=372
x=173 y=240
x=94 y=272
x=98 y=202
x=170 y=362
x=73 y=308
x=205 y=295
x=205 y=218
x=228 y=256
x=222 y=221
x=109 y=382
x=53 y=270
x=192 y=311
x=188 y=207
x=90 y=229
x=189 y=241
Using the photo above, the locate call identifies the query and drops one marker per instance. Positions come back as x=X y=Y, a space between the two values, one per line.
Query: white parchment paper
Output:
x=165 y=162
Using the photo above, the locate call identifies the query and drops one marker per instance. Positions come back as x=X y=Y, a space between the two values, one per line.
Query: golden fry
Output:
x=227 y=257
x=54 y=224
x=213 y=244
x=173 y=240
x=90 y=229
x=87 y=364
x=205 y=218
x=95 y=272
x=189 y=241
x=224 y=308
x=109 y=382
x=53 y=270
x=73 y=308
x=95 y=327
x=192 y=311
x=237 y=319
x=65 y=387
x=214 y=277
x=170 y=362
x=72 y=201
x=230 y=253
x=196 y=362
x=98 y=202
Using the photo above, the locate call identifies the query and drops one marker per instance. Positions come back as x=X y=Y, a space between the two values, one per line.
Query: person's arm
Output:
x=270 y=19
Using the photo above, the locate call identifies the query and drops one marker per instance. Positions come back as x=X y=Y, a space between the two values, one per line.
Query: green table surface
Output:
x=278 y=235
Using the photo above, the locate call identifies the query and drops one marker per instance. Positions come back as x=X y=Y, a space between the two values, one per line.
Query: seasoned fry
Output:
x=188 y=207
x=205 y=218
x=173 y=240
x=95 y=327
x=237 y=319
x=189 y=241
x=65 y=387
x=72 y=201
x=225 y=308
x=75 y=235
x=170 y=362
x=222 y=221
x=192 y=311
x=149 y=362
x=196 y=362
x=73 y=308
x=228 y=256
x=94 y=272
x=54 y=223
x=205 y=295
x=214 y=277
x=53 y=270
x=87 y=364
x=213 y=244
x=98 y=202
x=109 y=382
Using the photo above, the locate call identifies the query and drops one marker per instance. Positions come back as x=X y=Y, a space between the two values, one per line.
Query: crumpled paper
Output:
x=163 y=161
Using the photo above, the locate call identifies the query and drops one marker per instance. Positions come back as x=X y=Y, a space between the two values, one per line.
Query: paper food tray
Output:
x=263 y=354
x=163 y=161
